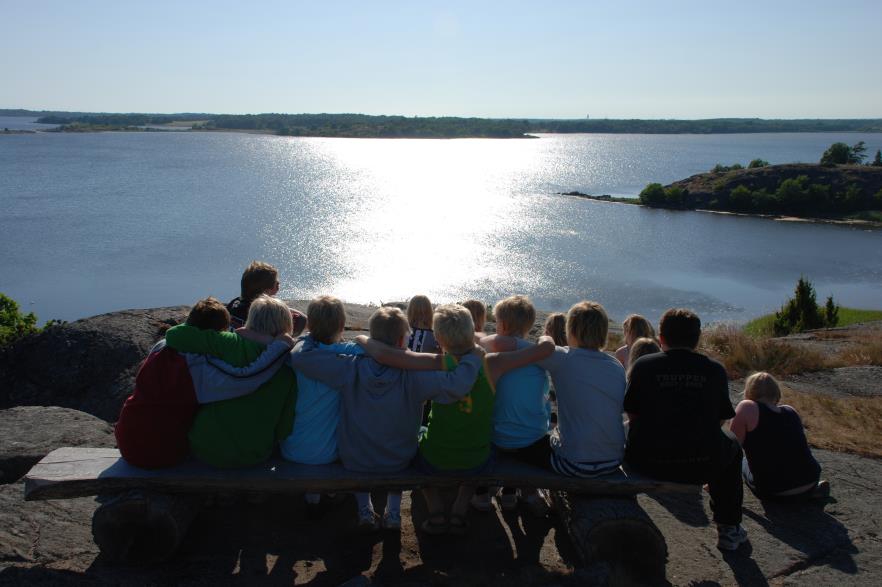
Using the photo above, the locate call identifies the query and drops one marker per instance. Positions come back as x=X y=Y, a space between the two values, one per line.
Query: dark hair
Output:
x=257 y=279
x=680 y=328
x=209 y=314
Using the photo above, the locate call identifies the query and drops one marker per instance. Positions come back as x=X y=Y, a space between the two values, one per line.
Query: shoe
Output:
x=457 y=525
x=434 y=528
x=481 y=502
x=730 y=537
x=367 y=519
x=821 y=490
x=508 y=501
x=536 y=503
x=392 y=520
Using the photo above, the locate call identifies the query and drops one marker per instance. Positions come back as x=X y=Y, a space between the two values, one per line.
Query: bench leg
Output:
x=614 y=530
x=140 y=526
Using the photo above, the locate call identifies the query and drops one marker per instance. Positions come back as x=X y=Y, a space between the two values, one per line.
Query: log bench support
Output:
x=615 y=530
x=144 y=515
x=142 y=526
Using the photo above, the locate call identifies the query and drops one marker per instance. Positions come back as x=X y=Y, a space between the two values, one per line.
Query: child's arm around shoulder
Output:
x=334 y=370
x=189 y=339
x=745 y=420
x=400 y=358
x=500 y=363
x=497 y=343
x=448 y=386
x=216 y=380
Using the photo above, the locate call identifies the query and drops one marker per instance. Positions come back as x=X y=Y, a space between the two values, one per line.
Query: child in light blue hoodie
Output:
x=313 y=440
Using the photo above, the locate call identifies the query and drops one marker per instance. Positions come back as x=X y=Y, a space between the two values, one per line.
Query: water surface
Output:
x=104 y=221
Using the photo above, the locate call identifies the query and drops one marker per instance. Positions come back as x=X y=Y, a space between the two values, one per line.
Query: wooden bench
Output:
x=146 y=513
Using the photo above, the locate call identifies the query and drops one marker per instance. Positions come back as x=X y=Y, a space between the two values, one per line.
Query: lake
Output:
x=98 y=222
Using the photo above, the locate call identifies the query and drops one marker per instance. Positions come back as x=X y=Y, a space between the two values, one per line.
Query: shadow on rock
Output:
x=685 y=507
x=807 y=528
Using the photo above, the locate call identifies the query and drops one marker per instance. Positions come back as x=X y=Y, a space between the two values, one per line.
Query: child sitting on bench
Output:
x=154 y=421
x=458 y=438
x=243 y=431
x=381 y=406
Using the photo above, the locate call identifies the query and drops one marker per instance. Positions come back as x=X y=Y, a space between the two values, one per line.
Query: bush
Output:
x=842 y=154
x=757 y=163
x=653 y=195
x=801 y=312
x=14 y=324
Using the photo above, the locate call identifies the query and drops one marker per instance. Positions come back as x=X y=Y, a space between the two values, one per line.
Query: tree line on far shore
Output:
x=363 y=125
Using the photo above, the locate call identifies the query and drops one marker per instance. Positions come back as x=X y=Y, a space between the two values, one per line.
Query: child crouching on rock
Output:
x=778 y=462
x=154 y=421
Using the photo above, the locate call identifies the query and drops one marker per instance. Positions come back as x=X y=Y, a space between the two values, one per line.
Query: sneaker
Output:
x=536 y=503
x=821 y=490
x=482 y=502
x=508 y=501
x=367 y=519
x=392 y=520
x=730 y=537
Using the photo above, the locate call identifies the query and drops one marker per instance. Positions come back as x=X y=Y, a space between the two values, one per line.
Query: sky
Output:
x=625 y=59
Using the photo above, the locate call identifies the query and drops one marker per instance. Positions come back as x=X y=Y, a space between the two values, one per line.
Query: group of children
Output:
x=430 y=389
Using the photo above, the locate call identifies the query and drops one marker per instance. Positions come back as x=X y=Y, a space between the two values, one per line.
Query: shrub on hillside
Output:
x=15 y=325
x=801 y=312
x=757 y=163
x=842 y=154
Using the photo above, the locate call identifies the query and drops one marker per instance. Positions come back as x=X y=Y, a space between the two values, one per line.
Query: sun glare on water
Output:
x=426 y=215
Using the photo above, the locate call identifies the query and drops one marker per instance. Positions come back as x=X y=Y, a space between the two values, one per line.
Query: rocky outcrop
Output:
x=706 y=186
x=29 y=433
x=88 y=365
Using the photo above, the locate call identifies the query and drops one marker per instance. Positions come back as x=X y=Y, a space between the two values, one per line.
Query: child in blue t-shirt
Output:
x=313 y=439
x=522 y=411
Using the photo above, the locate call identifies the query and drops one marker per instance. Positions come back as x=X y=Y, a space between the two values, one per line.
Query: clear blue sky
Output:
x=626 y=59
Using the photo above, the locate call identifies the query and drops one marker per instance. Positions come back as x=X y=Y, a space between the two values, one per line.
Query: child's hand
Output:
x=299 y=321
x=479 y=351
x=286 y=338
x=361 y=340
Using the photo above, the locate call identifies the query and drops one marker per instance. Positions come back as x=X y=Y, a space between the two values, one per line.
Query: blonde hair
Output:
x=516 y=313
x=762 y=387
x=269 y=315
x=419 y=312
x=389 y=325
x=326 y=318
x=642 y=346
x=478 y=311
x=636 y=326
x=258 y=278
x=454 y=328
x=588 y=325
x=556 y=328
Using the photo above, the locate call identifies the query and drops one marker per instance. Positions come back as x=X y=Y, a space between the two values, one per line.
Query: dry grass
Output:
x=743 y=354
x=848 y=424
x=865 y=350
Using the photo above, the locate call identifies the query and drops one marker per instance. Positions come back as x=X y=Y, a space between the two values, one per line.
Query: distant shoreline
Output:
x=371 y=126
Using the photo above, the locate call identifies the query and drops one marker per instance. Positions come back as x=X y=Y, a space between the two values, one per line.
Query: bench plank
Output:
x=79 y=472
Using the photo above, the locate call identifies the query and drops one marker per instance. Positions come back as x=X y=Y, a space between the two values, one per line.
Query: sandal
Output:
x=432 y=526
x=458 y=525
